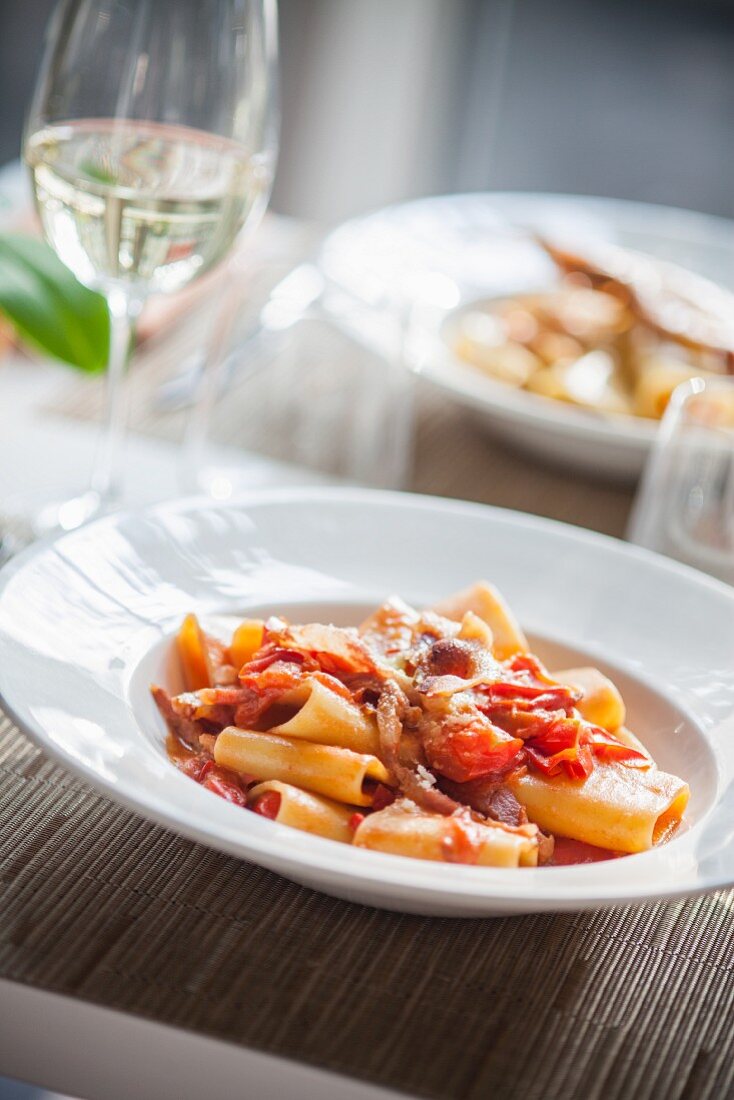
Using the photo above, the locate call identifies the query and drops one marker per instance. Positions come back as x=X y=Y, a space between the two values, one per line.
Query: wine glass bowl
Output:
x=151 y=143
x=144 y=205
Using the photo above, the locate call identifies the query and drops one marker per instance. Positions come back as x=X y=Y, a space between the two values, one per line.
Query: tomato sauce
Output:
x=568 y=852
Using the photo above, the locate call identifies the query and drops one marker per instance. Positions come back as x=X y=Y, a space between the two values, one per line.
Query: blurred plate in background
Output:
x=437 y=255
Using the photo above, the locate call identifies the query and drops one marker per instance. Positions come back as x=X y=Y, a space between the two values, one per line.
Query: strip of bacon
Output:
x=264 y=686
x=184 y=728
x=267 y=656
x=450 y=665
x=264 y=683
x=489 y=797
x=413 y=783
x=337 y=651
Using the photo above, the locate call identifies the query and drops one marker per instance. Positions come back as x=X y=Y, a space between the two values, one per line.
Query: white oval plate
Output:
x=86 y=622
x=398 y=255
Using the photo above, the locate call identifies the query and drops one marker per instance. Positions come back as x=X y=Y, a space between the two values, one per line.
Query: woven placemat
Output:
x=101 y=905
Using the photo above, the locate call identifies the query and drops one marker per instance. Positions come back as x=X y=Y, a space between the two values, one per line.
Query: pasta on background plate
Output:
x=434 y=734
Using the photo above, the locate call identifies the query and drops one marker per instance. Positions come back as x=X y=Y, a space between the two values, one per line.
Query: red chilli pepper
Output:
x=607 y=747
x=563 y=746
x=570 y=745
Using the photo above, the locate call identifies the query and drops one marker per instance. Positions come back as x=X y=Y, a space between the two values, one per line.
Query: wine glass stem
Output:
x=108 y=476
x=208 y=386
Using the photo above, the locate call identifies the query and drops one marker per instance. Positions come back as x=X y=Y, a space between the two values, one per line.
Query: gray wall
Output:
x=384 y=99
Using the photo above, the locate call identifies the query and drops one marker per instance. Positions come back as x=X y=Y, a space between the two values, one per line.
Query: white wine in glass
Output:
x=151 y=143
x=150 y=205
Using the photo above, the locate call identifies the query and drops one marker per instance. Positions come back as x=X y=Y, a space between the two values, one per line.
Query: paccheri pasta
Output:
x=433 y=734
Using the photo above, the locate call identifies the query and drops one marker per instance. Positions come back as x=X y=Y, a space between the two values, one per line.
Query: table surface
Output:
x=101 y=907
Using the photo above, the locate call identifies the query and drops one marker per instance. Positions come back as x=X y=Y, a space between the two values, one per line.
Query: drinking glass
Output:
x=151 y=143
x=317 y=382
x=685 y=504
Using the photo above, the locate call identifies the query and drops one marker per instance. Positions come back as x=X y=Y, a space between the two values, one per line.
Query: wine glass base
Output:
x=66 y=515
x=24 y=521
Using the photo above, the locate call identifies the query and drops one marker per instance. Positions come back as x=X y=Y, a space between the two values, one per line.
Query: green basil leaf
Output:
x=49 y=307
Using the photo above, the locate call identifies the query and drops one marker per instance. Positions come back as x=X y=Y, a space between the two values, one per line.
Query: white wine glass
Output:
x=151 y=143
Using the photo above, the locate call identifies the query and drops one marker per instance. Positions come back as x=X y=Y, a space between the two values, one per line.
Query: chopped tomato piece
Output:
x=355 y=821
x=193 y=765
x=549 y=697
x=582 y=765
x=559 y=734
x=267 y=804
x=224 y=783
x=526 y=662
x=471 y=752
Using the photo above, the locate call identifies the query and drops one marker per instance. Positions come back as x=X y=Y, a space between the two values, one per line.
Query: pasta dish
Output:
x=434 y=734
x=617 y=333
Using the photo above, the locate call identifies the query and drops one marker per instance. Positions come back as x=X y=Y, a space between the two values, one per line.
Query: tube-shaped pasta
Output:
x=601 y=702
x=330 y=719
x=486 y=602
x=617 y=807
x=306 y=811
x=404 y=830
x=338 y=773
